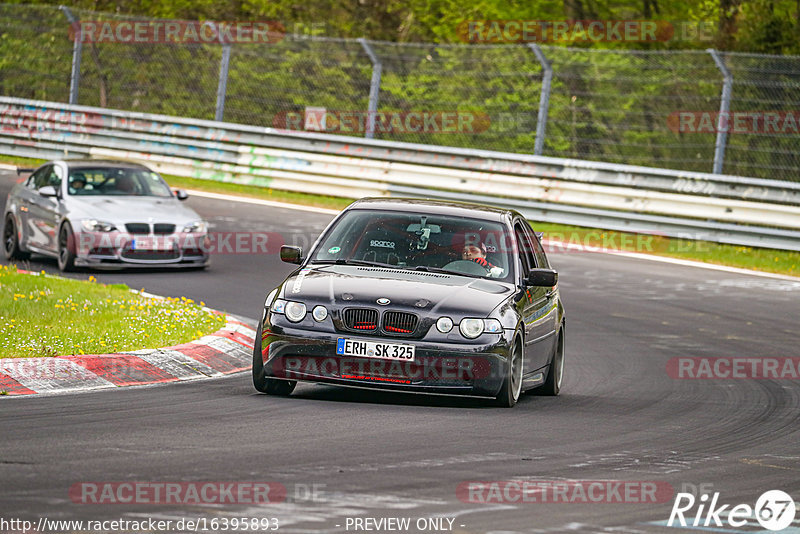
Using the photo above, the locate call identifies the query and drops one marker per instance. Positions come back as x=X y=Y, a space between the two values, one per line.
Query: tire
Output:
x=512 y=383
x=555 y=374
x=11 y=241
x=270 y=386
x=66 y=248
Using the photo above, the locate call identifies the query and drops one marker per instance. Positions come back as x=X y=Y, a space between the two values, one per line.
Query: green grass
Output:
x=759 y=259
x=22 y=162
x=43 y=315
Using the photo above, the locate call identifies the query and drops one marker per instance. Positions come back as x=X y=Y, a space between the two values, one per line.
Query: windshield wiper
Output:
x=426 y=269
x=365 y=263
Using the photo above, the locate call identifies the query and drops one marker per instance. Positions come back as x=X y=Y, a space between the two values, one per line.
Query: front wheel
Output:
x=11 y=241
x=270 y=386
x=512 y=384
x=66 y=248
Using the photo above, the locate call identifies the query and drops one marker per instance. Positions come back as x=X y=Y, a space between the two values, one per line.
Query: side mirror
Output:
x=291 y=254
x=181 y=194
x=542 y=278
x=48 y=191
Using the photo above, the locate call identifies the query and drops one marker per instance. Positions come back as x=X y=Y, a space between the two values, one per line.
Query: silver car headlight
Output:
x=195 y=227
x=93 y=225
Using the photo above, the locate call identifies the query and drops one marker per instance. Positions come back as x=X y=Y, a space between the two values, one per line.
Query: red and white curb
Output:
x=228 y=350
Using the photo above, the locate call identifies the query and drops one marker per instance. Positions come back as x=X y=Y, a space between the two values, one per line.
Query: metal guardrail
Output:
x=725 y=209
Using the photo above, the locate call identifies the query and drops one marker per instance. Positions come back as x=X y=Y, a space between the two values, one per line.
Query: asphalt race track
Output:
x=343 y=454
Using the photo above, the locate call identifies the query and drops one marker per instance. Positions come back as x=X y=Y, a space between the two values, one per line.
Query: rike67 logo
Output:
x=774 y=510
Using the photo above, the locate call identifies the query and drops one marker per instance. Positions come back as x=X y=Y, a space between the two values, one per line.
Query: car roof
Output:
x=102 y=164
x=438 y=207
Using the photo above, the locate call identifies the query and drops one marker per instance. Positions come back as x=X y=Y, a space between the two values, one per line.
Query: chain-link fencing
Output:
x=652 y=108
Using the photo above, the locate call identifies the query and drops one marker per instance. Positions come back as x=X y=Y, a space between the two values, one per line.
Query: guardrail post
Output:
x=724 y=106
x=77 y=49
x=374 y=88
x=222 y=86
x=544 y=99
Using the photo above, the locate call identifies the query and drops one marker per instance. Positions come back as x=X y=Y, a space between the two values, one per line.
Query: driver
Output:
x=477 y=253
x=77 y=182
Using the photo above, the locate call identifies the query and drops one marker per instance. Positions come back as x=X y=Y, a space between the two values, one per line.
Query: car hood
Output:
x=121 y=210
x=345 y=285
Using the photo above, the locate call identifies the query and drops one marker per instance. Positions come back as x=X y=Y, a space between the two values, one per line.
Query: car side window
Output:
x=55 y=176
x=47 y=175
x=38 y=179
x=524 y=250
x=538 y=251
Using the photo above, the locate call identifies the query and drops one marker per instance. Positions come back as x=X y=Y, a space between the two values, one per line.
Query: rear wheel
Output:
x=11 y=241
x=555 y=375
x=270 y=386
x=66 y=248
x=512 y=384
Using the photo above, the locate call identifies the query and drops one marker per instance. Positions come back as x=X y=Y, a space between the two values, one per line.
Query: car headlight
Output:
x=319 y=313
x=295 y=311
x=492 y=326
x=278 y=306
x=471 y=328
x=197 y=226
x=93 y=225
x=444 y=324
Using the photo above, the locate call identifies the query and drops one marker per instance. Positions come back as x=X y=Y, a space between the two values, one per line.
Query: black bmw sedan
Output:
x=419 y=296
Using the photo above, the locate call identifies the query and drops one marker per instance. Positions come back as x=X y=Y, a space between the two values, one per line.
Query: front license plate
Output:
x=370 y=349
x=149 y=243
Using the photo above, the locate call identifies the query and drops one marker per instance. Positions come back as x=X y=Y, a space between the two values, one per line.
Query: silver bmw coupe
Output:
x=102 y=214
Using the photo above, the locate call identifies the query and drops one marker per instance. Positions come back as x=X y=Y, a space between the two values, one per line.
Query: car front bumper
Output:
x=462 y=369
x=120 y=250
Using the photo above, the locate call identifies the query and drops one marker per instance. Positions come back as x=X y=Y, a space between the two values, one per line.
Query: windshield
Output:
x=420 y=241
x=117 y=182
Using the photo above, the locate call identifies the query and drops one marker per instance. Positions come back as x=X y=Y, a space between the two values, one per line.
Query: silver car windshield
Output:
x=116 y=182
x=420 y=241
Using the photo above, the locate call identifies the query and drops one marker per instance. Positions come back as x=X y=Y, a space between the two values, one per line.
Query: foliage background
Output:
x=610 y=101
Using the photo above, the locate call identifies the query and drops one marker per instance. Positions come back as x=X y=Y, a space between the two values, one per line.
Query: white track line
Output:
x=635 y=255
